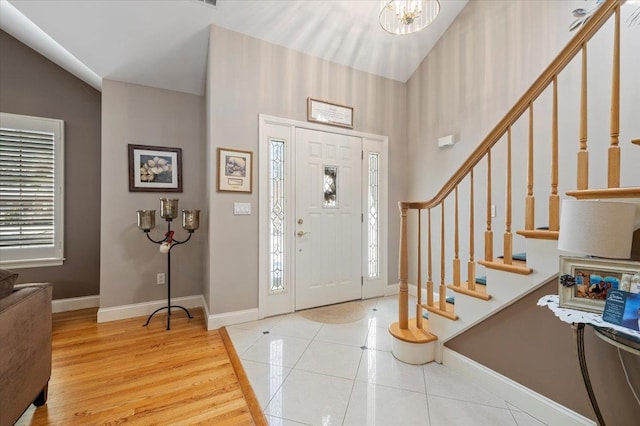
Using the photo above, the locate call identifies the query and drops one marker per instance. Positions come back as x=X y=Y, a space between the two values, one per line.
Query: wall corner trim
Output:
x=146 y=308
x=216 y=321
x=75 y=303
x=539 y=406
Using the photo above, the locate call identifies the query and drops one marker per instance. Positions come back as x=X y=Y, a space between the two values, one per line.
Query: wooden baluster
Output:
x=456 y=258
x=508 y=238
x=419 y=289
x=530 y=203
x=583 y=154
x=471 y=267
x=403 y=296
x=429 y=265
x=442 y=289
x=614 y=149
x=488 y=235
x=554 y=198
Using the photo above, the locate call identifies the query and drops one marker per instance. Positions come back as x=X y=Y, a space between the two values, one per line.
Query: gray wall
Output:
x=30 y=84
x=530 y=345
x=133 y=114
x=248 y=77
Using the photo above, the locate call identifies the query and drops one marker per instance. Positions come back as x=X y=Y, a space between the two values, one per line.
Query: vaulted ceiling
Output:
x=164 y=43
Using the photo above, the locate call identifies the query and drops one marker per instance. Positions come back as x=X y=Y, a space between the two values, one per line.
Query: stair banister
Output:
x=471 y=266
x=530 y=209
x=597 y=20
x=583 y=154
x=508 y=236
x=430 y=263
x=419 y=286
x=488 y=235
x=442 y=290
x=614 y=149
x=554 y=198
x=578 y=44
x=403 y=297
x=456 y=251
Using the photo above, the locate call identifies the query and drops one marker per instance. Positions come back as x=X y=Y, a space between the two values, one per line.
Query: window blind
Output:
x=27 y=188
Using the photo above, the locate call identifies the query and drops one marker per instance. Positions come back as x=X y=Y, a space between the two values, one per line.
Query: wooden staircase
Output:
x=507 y=278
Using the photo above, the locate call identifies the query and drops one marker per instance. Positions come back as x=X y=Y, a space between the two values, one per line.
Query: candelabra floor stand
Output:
x=169 y=305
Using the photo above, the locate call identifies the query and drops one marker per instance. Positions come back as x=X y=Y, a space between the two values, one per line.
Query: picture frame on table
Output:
x=235 y=170
x=584 y=282
x=155 y=168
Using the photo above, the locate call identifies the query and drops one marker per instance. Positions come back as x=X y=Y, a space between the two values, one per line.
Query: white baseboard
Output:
x=141 y=309
x=216 y=321
x=392 y=290
x=539 y=406
x=74 y=303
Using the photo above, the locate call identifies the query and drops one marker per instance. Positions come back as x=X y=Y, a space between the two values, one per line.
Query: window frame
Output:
x=29 y=257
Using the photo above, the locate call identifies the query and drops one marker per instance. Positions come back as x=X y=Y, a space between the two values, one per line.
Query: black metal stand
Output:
x=579 y=332
x=168 y=238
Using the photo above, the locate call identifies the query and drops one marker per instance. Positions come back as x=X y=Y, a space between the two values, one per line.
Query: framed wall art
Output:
x=329 y=113
x=235 y=170
x=585 y=282
x=155 y=169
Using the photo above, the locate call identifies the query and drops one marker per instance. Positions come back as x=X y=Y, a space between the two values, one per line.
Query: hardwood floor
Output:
x=120 y=372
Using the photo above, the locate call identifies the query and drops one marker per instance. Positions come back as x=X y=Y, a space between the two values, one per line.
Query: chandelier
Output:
x=407 y=16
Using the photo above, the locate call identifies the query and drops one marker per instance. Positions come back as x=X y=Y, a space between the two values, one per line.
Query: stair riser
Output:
x=542 y=255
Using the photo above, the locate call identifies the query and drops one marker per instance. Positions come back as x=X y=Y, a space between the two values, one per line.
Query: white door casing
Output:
x=286 y=133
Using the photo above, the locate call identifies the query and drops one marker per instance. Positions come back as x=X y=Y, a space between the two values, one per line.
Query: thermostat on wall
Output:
x=446 y=141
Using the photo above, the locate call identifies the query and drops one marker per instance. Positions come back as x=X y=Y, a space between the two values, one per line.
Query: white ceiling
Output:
x=164 y=43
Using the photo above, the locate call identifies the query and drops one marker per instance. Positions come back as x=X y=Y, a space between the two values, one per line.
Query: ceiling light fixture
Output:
x=407 y=16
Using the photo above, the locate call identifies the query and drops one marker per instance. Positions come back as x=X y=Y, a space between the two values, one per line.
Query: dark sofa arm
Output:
x=25 y=349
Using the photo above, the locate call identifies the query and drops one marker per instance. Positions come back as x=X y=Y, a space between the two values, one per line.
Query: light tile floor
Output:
x=310 y=373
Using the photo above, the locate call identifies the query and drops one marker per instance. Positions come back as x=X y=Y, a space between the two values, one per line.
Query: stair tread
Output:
x=518 y=266
x=517 y=256
x=412 y=334
x=449 y=313
x=480 y=291
x=539 y=234
x=627 y=192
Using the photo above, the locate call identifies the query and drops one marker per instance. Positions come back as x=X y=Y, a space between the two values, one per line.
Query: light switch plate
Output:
x=241 y=208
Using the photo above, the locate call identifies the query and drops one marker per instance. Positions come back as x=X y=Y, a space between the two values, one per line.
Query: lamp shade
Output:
x=597 y=228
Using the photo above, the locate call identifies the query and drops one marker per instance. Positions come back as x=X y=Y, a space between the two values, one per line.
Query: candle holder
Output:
x=190 y=223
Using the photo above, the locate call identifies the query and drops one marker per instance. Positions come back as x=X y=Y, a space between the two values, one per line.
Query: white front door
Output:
x=328 y=224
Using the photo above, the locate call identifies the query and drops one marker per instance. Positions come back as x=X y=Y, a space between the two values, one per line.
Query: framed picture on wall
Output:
x=155 y=169
x=235 y=170
x=329 y=113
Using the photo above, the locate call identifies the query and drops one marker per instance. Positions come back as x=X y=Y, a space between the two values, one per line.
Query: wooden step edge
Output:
x=539 y=234
x=412 y=334
x=256 y=412
x=515 y=268
x=450 y=315
x=584 y=194
x=472 y=293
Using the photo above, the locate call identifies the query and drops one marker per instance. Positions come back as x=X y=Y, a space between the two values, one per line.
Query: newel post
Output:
x=403 y=297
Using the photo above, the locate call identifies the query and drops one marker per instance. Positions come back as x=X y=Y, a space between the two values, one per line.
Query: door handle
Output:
x=301 y=234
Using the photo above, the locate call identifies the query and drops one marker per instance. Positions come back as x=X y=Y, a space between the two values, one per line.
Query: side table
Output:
x=620 y=337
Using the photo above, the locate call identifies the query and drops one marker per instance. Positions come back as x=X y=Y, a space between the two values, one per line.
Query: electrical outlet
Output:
x=160 y=278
